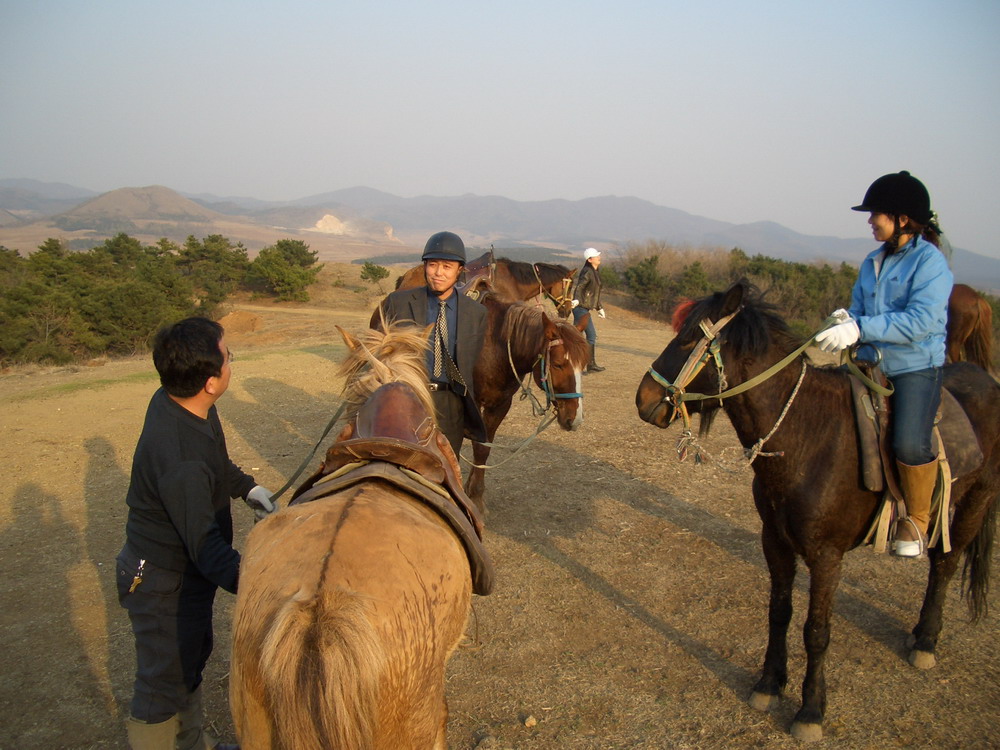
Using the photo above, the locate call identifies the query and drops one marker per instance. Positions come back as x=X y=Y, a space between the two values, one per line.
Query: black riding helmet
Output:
x=898 y=194
x=444 y=246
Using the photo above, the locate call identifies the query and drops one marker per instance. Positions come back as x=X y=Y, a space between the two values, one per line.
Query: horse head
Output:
x=559 y=371
x=692 y=361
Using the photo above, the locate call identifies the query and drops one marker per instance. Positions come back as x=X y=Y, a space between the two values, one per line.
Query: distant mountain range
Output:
x=368 y=224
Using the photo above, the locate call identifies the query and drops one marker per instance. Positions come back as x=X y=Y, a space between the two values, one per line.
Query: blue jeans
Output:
x=914 y=405
x=590 y=331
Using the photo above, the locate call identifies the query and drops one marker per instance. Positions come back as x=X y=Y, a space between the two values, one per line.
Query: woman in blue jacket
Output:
x=900 y=305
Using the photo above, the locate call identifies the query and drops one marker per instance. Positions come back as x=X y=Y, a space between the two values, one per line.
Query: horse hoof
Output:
x=922 y=659
x=762 y=701
x=807 y=732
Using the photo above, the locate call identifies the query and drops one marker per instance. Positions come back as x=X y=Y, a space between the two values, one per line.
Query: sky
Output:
x=736 y=111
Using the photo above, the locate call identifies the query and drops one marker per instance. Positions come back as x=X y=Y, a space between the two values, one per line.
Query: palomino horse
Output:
x=807 y=486
x=970 y=327
x=514 y=281
x=350 y=604
x=521 y=339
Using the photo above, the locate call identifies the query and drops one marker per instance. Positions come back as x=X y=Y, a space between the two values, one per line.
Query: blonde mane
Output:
x=374 y=358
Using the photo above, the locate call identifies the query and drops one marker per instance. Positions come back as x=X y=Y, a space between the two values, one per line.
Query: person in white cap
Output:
x=586 y=298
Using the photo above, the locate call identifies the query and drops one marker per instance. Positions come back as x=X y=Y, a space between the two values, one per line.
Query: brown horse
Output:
x=350 y=605
x=807 y=486
x=970 y=327
x=521 y=339
x=514 y=281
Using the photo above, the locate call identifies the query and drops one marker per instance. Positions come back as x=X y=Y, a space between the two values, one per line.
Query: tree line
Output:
x=59 y=305
x=656 y=276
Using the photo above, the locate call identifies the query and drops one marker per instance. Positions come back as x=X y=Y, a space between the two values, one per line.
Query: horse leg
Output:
x=969 y=521
x=824 y=575
x=493 y=415
x=781 y=565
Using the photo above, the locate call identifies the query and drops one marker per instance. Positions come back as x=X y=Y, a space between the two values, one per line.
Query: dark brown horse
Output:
x=970 y=327
x=521 y=339
x=807 y=486
x=515 y=281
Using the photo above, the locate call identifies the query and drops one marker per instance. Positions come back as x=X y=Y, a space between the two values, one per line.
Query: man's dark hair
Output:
x=186 y=354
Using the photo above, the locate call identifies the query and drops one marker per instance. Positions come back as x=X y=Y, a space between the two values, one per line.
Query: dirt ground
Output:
x=630 y=604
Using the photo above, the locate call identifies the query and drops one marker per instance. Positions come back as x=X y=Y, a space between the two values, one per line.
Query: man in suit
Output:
x=456 y=341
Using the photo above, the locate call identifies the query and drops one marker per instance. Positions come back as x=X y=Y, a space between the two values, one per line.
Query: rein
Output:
x=536 y=407
x=563 y=296
x=709 y=347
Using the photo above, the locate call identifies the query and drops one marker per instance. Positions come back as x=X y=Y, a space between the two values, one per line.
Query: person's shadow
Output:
x=52 y=624
x=105 y=487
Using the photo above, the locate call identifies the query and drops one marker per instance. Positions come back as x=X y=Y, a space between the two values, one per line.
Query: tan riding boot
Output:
x=159 y=736
x=918 y=483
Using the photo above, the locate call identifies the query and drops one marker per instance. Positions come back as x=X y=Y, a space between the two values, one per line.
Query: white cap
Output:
x=591 y=252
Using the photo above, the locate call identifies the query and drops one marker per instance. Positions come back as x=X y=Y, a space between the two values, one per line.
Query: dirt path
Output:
x=631 y=598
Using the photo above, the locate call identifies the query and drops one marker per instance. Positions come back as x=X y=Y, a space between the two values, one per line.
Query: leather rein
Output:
x=709 y=348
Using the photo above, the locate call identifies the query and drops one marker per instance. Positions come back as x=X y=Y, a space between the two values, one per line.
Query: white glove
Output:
x=841 y=314
x=259 y=501
x=576 y=302
x=838 y=337
x=600 y=312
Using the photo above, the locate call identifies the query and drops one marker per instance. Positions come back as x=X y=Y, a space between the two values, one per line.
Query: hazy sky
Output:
x=738 y=111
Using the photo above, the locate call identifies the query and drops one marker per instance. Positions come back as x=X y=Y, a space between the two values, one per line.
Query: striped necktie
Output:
x=440 y=339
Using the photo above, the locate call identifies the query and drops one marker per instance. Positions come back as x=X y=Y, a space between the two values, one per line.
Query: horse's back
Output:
x=979 y=395
x=389 y=587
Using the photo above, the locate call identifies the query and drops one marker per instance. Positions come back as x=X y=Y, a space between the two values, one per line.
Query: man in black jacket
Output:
x=457 y=340
x=179 y=535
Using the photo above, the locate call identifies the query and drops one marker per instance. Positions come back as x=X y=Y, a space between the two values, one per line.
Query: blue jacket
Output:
x=903 y=308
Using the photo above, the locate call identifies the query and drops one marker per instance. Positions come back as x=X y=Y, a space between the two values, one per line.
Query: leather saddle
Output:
x=395 y=440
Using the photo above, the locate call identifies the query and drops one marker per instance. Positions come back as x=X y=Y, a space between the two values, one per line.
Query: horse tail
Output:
x=976 y=569
x=979 y=345
x=321 y=664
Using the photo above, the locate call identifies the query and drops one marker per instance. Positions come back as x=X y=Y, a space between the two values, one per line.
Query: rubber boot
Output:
x=159 y=736
x=918 y=483
x=593 y=366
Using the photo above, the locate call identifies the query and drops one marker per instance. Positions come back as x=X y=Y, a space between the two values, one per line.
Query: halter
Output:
x=709 y=346
x=542 y=363
x=563 y=296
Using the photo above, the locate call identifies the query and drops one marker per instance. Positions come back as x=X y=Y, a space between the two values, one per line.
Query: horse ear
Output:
x=733 y=299
x=550 y=328
x=352 y=343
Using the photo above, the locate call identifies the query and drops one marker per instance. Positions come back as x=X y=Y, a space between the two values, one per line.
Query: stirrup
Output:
x=909 y=547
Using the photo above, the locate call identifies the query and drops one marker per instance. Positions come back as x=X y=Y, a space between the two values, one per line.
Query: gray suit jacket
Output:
x=411 y=304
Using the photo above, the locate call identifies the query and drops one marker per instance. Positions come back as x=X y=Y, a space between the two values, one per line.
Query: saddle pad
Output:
x=437 y=498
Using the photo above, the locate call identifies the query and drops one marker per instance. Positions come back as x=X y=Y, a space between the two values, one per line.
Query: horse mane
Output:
x=524 y=328
x=756 y=328
x=398 y=355
x=551 y=272
x=524 y=273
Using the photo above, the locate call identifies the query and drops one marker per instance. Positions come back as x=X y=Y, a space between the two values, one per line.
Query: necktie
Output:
x=440 y=339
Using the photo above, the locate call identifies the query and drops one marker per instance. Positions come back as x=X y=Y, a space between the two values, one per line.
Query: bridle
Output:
x=564 y=295
x=542 y=363
x=709 y=348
